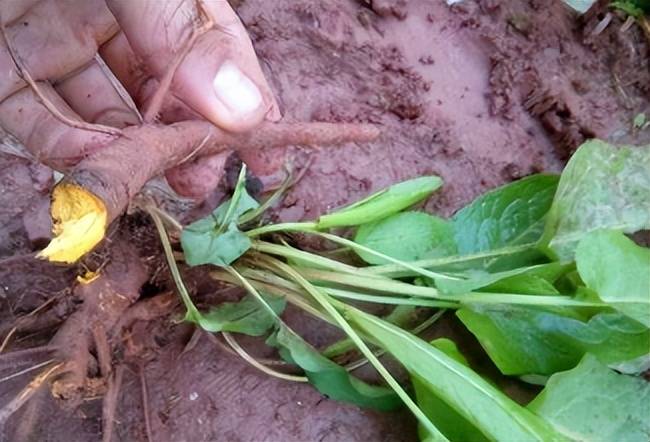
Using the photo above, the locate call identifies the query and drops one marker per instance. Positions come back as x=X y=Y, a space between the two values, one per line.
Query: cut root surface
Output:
x=79 y=223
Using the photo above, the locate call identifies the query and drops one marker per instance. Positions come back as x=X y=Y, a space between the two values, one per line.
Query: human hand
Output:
x=76 y=49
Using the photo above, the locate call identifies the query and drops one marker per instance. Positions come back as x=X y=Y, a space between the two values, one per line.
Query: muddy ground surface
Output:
x=481 y=93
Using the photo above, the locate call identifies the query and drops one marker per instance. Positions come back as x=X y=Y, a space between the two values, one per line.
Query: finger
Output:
x=139 y=83
x=50 y=141
x=124 y=64
x=13 y=10
x=94 y=98
x=51 y=39
x=198 y=178
x=219 y=78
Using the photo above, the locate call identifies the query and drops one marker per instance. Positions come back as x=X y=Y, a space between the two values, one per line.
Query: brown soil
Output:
x=480 y=93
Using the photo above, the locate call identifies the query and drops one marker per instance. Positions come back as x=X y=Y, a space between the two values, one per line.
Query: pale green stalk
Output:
x=323 y=300
x=192 y=311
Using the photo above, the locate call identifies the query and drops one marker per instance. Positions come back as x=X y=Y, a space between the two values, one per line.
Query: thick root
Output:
x=100 y=187
x=106 y=298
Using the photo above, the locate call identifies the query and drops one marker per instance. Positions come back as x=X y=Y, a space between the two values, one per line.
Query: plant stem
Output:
x=375 y=284
x=192 y=311
x=255 y=363
x=323 y=300
x=397 y=271
x=419 y=295
x=310 y=227
x=397 y=268
x=353 y=245
x=166 y=217
x=416 y=331
x=287 y=289
x=234 y=200
x=251 y=215
x=337 y=293
x=465 y=299
x=26 y=370
x=299 y=255
x=306 y=226
x=508 y=298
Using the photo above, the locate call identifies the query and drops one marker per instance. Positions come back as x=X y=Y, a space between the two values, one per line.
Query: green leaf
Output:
x=454 y=426
x=406 y=236
x=509 y=215
x=602 y=187
x=449 y=347
x=531 y=340
x=216 y=239
x=498 y=231
x=639 y=121
x=492 y=412
x=634 y=366
x=382 y=204
x=593 y=403
x=328 y=377
x=246 y=316
x=472 y=280
x=618 y=270
x=206 y=247
x=524 y=284
x=635 y=8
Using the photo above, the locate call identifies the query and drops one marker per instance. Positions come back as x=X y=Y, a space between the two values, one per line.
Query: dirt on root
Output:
x=480 y=93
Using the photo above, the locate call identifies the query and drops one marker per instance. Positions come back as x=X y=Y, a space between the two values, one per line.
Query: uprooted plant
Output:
x=540 y=271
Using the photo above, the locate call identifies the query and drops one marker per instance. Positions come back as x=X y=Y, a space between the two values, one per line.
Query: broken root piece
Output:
x=79 y=223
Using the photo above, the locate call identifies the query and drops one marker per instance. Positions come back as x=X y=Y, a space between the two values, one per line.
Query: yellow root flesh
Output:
x=79 y=223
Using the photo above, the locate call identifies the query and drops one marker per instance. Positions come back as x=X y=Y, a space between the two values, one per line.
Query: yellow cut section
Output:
x=87 y=277
x=79 y=223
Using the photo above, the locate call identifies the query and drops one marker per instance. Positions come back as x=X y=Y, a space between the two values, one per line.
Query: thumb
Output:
x=220 y=77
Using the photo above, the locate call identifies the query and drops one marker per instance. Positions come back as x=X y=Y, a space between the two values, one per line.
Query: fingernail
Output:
x=235 y=90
